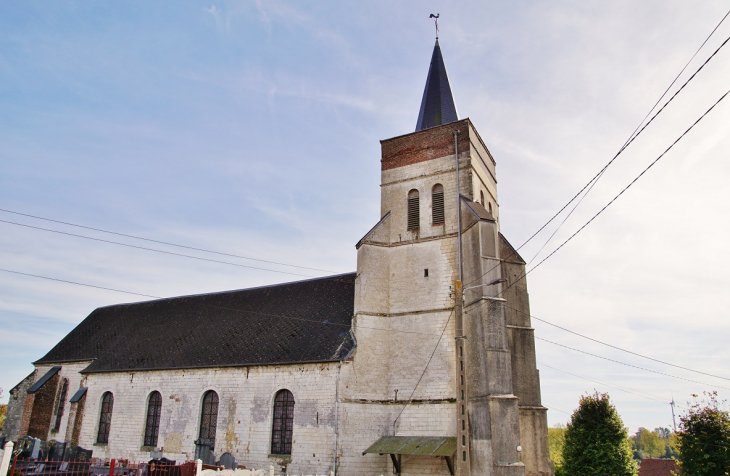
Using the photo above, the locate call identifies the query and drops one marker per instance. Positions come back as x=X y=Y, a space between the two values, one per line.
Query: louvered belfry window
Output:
x=208 y=419
x=152 y=427
x=61 y=404
x=438 y=204
x=105 y=418
x=281 y=434
x=414 y=216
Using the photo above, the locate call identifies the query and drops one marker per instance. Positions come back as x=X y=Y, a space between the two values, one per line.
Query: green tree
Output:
x=704 y=438
x=596 y=442
x=556 y=441
x=652 y=445
x=672 y=446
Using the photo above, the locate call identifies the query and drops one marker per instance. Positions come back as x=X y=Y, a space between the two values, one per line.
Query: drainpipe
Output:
x=458 y=197
x=337 y=419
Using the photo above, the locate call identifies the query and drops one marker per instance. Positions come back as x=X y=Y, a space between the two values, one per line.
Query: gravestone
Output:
x=56 y=450
x=77 y=453
x=29 y=447
x=228 y=461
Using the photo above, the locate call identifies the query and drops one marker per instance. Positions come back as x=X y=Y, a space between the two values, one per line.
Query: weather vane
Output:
x=436 y=21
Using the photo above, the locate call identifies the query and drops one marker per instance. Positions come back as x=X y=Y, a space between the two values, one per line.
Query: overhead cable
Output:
x=225 y=308
x=619 y=348
x=629 y=365
x=410 y=397
x=634 y=135
x=629 y=185
x=160 y=242
x=155 y=250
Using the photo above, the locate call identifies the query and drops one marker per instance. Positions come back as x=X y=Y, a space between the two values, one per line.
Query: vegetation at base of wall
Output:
x=704 y=438
x=596 y=441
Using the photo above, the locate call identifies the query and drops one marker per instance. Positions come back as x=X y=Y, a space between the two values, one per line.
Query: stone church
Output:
x=420 y=362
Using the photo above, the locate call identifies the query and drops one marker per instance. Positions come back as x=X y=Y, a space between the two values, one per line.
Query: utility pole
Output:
x=673 y=420
x=462 y=420
x=463 y=461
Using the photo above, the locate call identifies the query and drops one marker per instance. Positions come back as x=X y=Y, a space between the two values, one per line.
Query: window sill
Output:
x=281 y=458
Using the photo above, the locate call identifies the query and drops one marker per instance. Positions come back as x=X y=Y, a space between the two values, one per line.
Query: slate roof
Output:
x=304 y=321
x=477 y=209
x=42 y=381
x=437 y=105
x=78 y=395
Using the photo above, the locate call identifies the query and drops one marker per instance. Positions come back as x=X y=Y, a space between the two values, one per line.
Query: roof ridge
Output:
x=215 y=293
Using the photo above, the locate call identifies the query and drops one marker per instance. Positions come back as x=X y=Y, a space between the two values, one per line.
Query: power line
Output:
x=628 y=365
x=524 y=275
x=225 y=308
x=623 y=389
x=630 y=184
x=591 y=183
x=605 y=343
x=556 y=409
x=161 y=242
x=155 y=250
x=615 y=347
x=634 y=135
x=683 y=69
x=410 y=398
x=79 y=284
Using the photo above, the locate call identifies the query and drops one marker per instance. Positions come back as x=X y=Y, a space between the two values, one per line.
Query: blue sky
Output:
x=252 y=128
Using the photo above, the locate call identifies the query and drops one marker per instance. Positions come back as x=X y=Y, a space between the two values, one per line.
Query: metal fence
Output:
x=29 y=467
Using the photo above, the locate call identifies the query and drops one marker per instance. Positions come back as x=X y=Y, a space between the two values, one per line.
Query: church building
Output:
x=422 y=361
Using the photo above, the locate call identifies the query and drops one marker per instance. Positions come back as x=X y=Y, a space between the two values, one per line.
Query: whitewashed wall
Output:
x=244 y=414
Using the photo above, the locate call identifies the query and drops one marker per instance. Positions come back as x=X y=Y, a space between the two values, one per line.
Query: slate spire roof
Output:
x=437 y=105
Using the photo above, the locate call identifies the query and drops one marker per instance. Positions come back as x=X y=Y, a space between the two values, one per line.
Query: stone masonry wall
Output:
x=42 y=408
x=244 y=414
x=70 y=371
x=16 y=405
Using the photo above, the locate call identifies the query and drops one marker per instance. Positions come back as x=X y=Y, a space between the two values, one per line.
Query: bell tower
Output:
x=443 y=379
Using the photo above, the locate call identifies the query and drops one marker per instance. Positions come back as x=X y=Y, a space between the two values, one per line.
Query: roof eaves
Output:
x=212 y=366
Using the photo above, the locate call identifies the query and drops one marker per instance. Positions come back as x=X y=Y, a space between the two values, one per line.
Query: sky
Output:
x=251 y=128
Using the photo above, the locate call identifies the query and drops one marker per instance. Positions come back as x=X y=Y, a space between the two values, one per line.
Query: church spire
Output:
x=437 y=105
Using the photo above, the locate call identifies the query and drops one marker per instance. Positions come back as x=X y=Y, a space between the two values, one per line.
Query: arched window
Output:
x=61 y=404
x=152 y=427
x=490 y=209
x=281 y=433
x=481 y=197
x=414 y=216
x=438 y=204
x=208 y=419
x=105 y=418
